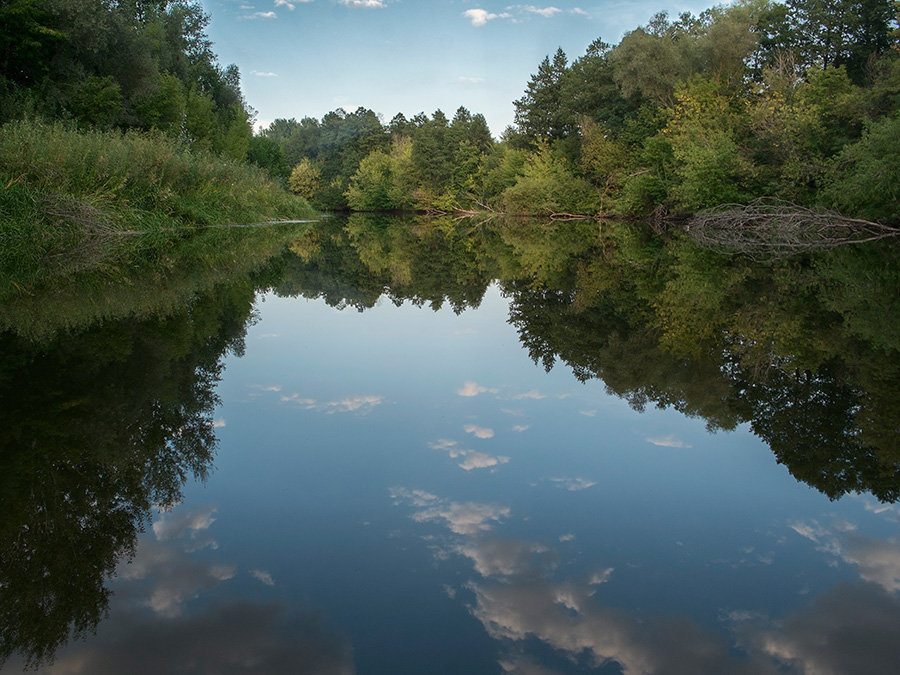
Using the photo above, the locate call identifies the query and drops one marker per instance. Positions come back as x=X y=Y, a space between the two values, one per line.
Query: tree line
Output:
x=797 y=100
x=121 y=64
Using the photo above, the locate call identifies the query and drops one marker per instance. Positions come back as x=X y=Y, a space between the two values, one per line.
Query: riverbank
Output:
x=57 y=180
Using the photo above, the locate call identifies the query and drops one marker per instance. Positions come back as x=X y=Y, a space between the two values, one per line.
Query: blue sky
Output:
x=304 y=58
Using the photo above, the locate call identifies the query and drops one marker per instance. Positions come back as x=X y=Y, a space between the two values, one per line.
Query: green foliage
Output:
x=104 y=181
x=305 y=179
x=549 y=186
x=146 y=65
x=266 y=154
x=864 y=179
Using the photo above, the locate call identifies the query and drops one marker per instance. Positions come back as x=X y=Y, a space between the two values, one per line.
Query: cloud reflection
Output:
x=458 y=517
x=357 y=403
x=471 y=459
x=573 y=484
x=877 y=560
x=232 y=637
x=479 y=432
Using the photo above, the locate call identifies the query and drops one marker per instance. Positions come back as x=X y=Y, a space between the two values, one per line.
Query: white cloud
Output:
x=471 y=388
x=178 y=524
x=219 y=423
x=261 y=15
x=521 y=427
x=258 y=73
x=566 y=617
x=480 y=460
x=458 y=517
x=479 y=432
x=545 y=12
x=578 y=11
x=588 y=413
x=262 y=387
x=500 y=557
x=601 y=577
x=533 y=394
x=365 y=4
x=416 y=498
x=465 y=517
x=445 y=444
x=480 y=17
x=356 y=403
x=668 y=441
x=826 y=637
x=573 y=484
x=567 y=537
x=876 y=560
x=471 y=458
x=263 y=576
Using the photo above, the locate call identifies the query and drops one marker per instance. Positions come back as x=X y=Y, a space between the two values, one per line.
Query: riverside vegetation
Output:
x=143 y=128
x=118 y=117
x=797 y=101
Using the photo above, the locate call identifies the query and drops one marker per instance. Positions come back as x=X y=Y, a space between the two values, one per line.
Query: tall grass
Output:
x=54 y=177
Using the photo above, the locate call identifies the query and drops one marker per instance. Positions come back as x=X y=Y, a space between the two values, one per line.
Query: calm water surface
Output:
x=349 y=456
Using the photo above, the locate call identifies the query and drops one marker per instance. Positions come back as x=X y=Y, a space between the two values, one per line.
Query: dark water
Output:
x=437 y=446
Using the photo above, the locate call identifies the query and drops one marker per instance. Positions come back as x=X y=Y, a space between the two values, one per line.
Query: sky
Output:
x=304 y=58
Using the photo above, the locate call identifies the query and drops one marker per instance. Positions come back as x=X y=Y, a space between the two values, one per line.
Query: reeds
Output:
x=55 y=177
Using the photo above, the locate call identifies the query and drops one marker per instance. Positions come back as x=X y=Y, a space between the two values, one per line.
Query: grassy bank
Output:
x=56 y=180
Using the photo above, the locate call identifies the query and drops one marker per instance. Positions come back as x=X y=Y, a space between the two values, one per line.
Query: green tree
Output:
x=541 y=112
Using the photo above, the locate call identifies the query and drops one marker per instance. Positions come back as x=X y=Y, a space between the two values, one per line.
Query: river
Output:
x=408 y=445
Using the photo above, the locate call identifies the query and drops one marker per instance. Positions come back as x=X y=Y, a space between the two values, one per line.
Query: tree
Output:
x=305 y=179
x=540 y=113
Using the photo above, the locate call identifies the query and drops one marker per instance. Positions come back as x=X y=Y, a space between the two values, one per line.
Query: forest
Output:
x=116 y=115
x=796 y=101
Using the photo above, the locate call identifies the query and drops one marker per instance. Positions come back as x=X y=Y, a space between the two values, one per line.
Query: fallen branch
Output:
x=772 y=228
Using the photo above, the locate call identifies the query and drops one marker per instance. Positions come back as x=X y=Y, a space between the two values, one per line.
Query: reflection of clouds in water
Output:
x=234 y=637
x=263 y=576
x=458 y=517
x=566 y=618
x=471 y=458
x=480 y=460
x=534 y=394
x=877 y=560
x=573 y=484
x=601 y=577
x=177 y=524
x=471 y=388
x=356 y=403
x=501 y=557
x=174 y=578
x=478 y=432
x=668 y=441
x=259 y=389
x=851 y=628
x=519 y=664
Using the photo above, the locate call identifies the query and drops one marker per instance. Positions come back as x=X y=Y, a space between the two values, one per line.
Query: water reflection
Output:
x=526 y=603
x=109 y=380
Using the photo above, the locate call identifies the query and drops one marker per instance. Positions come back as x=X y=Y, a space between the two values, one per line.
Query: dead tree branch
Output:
x=772 y=228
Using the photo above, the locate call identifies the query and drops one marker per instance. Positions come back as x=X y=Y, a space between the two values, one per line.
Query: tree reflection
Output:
x=96 y=428
x=796 y=348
